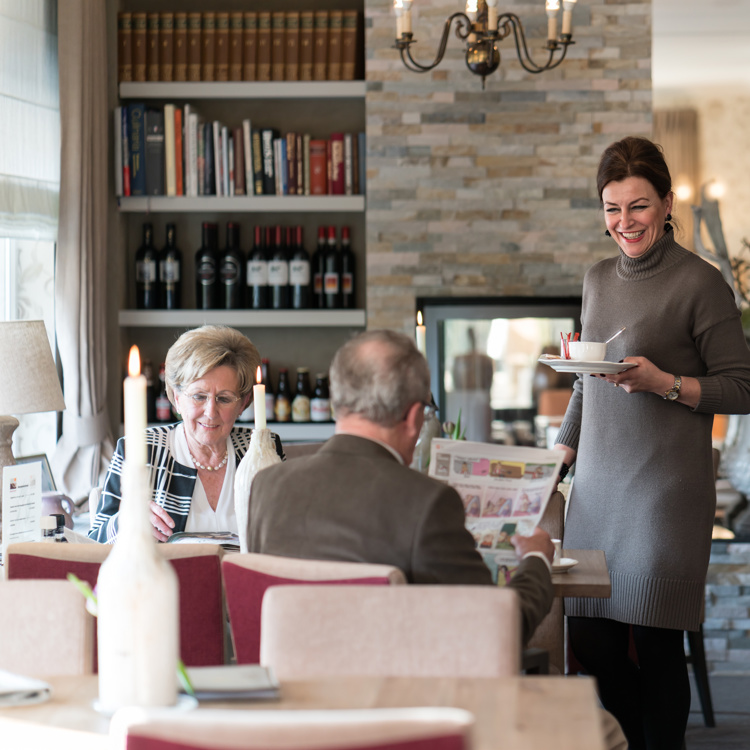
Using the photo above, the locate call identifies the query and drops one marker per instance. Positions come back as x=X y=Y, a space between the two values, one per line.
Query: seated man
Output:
x=357 y=500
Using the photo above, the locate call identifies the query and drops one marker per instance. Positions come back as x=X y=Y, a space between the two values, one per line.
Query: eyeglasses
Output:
x=223 y=400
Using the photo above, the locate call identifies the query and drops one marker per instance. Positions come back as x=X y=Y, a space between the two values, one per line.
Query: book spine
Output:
x=269 y=178
x=362 y=152
x=193 y=154
x=118 y=151
x=124 y=47
x=291 y=163
x=278 y=44
x=235 y=46
x=178 y=152
x=283 y=162
x=318 y=168
x=300 y=168
x=194 y=47
x=277 y=166
x=306 y=163
x=355 y=163
x=328 y=167
x=137 y=149
x=187 y=145
x=152 y=47
x=139 y=46
x=247 y=137
x=170 y=173
x=125 y=149
x=263 y=69
x=249 y=45
x=154 y=120
x=222 y=46
x=206 y=162
x=306 y=44
x=334 y=45
x=348 y=165
x=238 y=138
x=320 y=50
x=349 y=33
x=257 y=154
x=291 y=54
x=180 y=47
x=225 y=160
x=229 y=158
x=166 y=46
x=218 y=180
x=208 y=47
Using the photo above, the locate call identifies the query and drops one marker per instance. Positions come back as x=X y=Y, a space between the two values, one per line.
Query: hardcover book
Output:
x=154 y=127
x=291 y=54
x=238 y=140
x=278 y=44
x=137 y=134
x=247 y=142
x=208 y=47
x=225 y=162
x=194 y=47
x=170 y=170
x=124 y=47
x=318 y=167
x=211 y=169
x=267 y=136
x=125 y=150
x=348 y=165
x=222 y=46
x=334 y=45
x=306 y=163
x=257 y=154
x=178 y=152
x=337 y=184
x=139 y=47
x=218 y=175
x=300 y=165
x=118 y=152
x=349 y=36
x=249 y=45
x=291 y=163
x=263 y=70
x=235 y=46
x=166 y=46
x=320 y=47
x=152 y=47
x=180 y=45
x=306 y=44
x=355 y=163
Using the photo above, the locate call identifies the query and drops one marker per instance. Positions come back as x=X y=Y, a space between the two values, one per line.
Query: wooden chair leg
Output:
x=698 y=660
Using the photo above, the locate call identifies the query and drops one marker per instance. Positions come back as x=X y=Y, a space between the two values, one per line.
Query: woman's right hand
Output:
x=161 y=522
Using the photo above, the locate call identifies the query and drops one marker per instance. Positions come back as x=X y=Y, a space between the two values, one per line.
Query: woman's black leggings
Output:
x=650 y=699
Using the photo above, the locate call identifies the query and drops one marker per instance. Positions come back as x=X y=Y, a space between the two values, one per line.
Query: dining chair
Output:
x=45 y=629
x=403 y=631
x=332 y=729
x=248 y=576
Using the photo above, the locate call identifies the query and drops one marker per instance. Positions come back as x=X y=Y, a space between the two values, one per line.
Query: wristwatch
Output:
x=674 y=392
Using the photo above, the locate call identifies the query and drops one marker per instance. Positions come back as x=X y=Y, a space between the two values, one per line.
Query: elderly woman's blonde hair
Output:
x=202 y=349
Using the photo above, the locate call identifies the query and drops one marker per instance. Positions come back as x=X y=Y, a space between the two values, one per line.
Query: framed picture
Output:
x=48 y=481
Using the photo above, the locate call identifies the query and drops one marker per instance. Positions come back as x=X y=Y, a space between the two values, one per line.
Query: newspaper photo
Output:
x=504 y=489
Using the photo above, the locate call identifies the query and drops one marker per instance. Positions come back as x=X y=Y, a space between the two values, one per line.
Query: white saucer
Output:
x=184 y=703
x=585 y=368
x=564 y=564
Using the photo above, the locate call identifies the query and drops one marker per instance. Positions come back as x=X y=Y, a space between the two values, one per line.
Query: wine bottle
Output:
x=283 y=406
x=170 y=273
x=318 y=270
x=148 y=373
x=257 y=274
x=278 y=273
x=299 y=273
x=348 y=270
x=301 y=402
x=232 y=270
x=206 y=266
x=146 y=285
x=320 y=403
x=163 y=406
x=332 y=275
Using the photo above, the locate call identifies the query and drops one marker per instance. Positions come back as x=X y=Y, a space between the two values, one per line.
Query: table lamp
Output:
x=29 y=381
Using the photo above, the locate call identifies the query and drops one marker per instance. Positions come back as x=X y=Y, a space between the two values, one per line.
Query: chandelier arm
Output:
x=524 y=57
x=463 y=29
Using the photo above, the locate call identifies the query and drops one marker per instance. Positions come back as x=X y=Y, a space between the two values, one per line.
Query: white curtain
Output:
x=29 y=119
x=80 y=290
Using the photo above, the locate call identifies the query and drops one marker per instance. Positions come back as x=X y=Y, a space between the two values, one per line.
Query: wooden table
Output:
x=522 y=713
x=589 y=578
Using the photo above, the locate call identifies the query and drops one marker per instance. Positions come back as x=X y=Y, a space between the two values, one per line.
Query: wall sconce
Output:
x=482 y=28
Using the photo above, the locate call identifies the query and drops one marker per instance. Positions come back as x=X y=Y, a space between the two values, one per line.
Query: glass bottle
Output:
x=278 y=273
x=299 y=273
x=270 y=395
x=148 y=373
x=206 y=267
x=320 y=403
x=318 y=270
x=301 y=402
x=283 y=406
x=59 y=527
x=146 y=284
x=257 y=273
x=163 y=406
x=332 y=275
x=431 y=429
x=48 y=525
x=348 y=272
x=232 y=270
x=170 y=273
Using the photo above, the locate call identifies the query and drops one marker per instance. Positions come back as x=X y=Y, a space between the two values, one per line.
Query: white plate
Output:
x=585 y=368
x=564 y=564
x=184 y=703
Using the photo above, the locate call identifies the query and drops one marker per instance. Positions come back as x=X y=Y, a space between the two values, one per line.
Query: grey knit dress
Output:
x=644 y=489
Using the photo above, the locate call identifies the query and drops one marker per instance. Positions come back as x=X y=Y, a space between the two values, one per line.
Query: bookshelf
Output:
x=322 y=204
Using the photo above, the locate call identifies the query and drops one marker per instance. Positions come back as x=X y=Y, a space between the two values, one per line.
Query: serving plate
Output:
x=585 y=368
x=563 y=565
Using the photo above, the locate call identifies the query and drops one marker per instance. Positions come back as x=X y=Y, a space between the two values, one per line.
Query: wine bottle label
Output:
x=145 y=271
x=230 y=272
x=301 y=409
x=278 y=273
x=318 y=283
x=257 y=273
x=163 y=409
x=282 y=409
x=320 y=410
x=206 y=271
x=299 y=272
x=347 y=283
x=169 y=271
x=331 y=283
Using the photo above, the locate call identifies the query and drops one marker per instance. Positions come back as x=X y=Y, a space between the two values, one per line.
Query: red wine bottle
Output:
x=348 y=271
x=299 y=273
x=146 y=284
x=257 y=273
x=332 y=275
x=278 y=273
x=206 y=269
x=318 y=270
x=170 y=273
x=232 y=270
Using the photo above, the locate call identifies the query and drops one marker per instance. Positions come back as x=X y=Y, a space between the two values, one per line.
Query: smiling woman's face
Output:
x=635 y=215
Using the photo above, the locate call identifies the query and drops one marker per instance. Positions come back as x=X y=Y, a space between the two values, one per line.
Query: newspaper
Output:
x=504 y=489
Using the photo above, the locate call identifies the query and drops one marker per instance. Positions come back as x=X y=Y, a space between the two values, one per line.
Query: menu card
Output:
x=18 y=690
x=22 y=503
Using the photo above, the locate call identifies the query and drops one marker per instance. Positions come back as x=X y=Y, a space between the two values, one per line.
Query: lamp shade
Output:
x=28 y=376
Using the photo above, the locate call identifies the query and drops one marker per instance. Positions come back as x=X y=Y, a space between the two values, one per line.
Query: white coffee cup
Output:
x=587 y=351
x=558 y=550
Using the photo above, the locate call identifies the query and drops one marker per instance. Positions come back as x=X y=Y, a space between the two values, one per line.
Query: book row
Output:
x=172 y=151
x=306 y=45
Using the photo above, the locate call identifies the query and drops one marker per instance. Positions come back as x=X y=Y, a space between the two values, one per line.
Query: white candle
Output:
x=134 y=400
x=552 y=7
x=259 y=400
x=492 y=15
x=421 y=335
x=567 y=23
x=472 y=8
x=407 y=16
x=398 y=8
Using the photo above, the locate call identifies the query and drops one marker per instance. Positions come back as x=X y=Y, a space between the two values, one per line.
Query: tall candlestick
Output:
x=552 y=7
x=421 y=335
x=259 y=399
x=134 y=400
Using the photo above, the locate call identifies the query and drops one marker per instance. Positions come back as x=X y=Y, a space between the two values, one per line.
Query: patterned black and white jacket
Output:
x=172 y=483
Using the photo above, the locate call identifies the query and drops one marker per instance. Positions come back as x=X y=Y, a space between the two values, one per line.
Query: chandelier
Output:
x=481 y=27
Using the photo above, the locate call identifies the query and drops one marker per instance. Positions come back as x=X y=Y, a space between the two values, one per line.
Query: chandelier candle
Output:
x=138 y=619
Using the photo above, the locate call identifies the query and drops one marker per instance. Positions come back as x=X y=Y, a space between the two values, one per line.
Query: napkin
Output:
x=17 y=690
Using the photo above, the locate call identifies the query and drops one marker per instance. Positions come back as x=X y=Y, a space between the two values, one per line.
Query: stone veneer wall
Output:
x=484 y=193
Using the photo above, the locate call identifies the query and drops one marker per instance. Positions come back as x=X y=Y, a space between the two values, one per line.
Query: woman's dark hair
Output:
x=634 y=157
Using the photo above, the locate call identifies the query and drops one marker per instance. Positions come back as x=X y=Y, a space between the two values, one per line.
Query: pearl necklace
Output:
x=210 y=468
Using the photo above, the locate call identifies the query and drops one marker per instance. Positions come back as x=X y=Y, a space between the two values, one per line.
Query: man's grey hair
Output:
x=379 y=375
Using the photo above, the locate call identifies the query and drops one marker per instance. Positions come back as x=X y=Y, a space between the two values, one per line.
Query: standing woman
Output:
x=644 y=489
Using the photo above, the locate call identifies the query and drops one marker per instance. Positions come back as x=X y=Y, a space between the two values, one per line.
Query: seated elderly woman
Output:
x=210 y=373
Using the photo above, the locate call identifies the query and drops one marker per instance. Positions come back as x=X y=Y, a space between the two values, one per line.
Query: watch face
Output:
x=672 y=395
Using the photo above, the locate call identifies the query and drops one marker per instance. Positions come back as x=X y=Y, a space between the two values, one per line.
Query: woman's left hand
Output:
x=646 y=377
